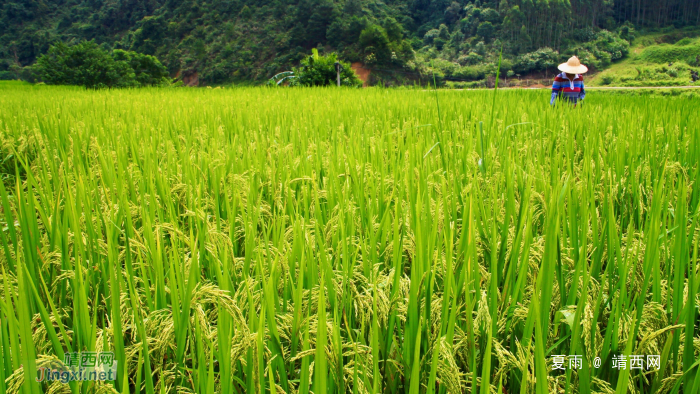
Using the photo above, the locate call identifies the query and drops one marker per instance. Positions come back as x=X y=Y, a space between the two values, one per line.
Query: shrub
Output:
x=666 y=53
x=605 y=58
x=626 y=32
x=679 y=74
x=480 y=48
x=695 y=62
x=439 y=43
x=607 y=79
x=469 y=59
x=86 y=64
x=587 y=58
x=585 y=34
x=7 y=75
x=147 y=70
x=470 y=72
x=612 y=44
x=606 y=48
x=541 y=59
x=466 y=85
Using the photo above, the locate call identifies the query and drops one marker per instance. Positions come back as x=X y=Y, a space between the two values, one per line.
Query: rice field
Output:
x=322 y=240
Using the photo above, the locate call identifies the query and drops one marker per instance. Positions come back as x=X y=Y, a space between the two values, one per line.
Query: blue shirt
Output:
x=570 y=89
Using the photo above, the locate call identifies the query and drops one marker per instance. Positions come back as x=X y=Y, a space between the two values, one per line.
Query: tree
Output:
x=430 y=36
x=83 y=64
x=235 y=40
x=490 y=15
x=444 y=32
x=317 y=70
x=353 y=7
x=86 y=64
x=147 y=69
x=322 y=17
x=394 y=30
x=453 y=13
x=539 y=60
x=375 y=41
x=485 y=30
x=147 y=38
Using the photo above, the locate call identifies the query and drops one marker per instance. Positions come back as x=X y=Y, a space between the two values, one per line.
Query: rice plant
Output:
x=349 y=241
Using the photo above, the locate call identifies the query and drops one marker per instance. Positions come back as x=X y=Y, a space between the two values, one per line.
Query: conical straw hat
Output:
x=573 y=66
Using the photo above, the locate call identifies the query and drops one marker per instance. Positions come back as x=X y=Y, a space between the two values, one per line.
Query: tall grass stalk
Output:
x=297 y=240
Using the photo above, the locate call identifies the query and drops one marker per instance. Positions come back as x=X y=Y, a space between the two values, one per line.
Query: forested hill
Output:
x=249 y=40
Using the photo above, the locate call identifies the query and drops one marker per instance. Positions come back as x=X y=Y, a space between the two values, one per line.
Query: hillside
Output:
x=401 y=41
x=670 y=58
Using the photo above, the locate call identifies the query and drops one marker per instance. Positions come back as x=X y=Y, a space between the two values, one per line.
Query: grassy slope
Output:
x=651 y=53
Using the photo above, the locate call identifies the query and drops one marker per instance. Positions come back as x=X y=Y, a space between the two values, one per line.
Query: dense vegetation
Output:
x=86 y=64
x=657 y=60
x=240 y=40
x=319 y=70
x=348 y=240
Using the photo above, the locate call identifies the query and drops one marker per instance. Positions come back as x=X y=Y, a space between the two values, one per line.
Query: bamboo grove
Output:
x=348 y=241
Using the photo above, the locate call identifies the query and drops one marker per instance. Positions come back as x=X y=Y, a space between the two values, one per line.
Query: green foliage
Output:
x=393 y=28
x=374 y=41
x=480 y=48
x=147 y=69
x=485 y=30
x=453 y=13
x=247 y=41
x=607 y=79
x=666 y=53
x=87 y=64
x=541 y=59
x=318 y=70
x=471 y=73
x=470 y=59
x=676 y=74
x=84 y=64
x=605 y=48
x=245 y=13
x=612 y=44
x=437 y=37
x=627 y=32
x=293 y=240
x=490 y=15
x=384 y=45
x=466 y=85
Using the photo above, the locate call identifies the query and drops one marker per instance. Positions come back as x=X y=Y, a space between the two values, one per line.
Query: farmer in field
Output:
x=569 y=84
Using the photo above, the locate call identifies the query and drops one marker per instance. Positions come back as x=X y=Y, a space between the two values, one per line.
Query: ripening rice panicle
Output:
x=349 y=241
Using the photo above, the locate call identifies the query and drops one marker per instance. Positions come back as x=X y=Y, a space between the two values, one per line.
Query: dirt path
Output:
x=362 y=72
